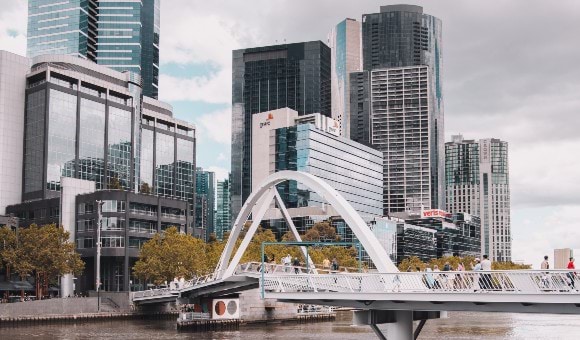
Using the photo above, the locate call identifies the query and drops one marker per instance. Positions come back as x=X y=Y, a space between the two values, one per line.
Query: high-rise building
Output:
x=123 y=35
x=282 y=140
x=296 y=76
x=346 y=57
x=205 y=200
x=13 y=69
x=477 y=182
x=223 y=212
x=89 y=134
x=397 y=104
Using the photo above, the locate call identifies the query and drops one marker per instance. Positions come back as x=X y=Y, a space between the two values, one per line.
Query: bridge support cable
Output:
x=292 y=227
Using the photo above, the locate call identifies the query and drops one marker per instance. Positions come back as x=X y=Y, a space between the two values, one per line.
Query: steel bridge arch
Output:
x=259 y=201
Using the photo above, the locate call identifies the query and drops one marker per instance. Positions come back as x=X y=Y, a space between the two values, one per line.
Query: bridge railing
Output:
x=520 y=282
x=154 y=293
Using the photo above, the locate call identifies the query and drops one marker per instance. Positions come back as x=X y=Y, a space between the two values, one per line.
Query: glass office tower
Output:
x=205 y=200
x=477 y=182
x=123 y=35
x=223 y=213
x=296 y=76
x=346 y=54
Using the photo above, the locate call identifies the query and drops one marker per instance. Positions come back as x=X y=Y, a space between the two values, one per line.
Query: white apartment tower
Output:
x=477 y=182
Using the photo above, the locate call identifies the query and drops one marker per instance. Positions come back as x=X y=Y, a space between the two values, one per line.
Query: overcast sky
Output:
x=511 y=71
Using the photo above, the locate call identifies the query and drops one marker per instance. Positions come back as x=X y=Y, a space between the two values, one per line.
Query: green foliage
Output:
x=321 y=232
x=172 y=255
x=7 y=243
x=454 y=261
x=509 y=266
x=42 y=251
x=144 y=189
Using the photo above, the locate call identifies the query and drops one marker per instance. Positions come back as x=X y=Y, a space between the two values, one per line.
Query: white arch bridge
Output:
x=386 y=296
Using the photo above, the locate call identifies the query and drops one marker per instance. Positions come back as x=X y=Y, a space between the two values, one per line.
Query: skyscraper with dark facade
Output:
x=296 y=76
x=123 y=35
x=397 y=104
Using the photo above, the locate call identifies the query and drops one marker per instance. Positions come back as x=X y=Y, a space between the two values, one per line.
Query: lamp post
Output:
x=98 y=269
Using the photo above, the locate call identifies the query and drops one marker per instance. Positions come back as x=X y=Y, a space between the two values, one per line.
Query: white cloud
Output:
x=539 y=231
x=221 y=157
x=220 y=173
x=13 y=26
x=216 y=126
x=215 y=88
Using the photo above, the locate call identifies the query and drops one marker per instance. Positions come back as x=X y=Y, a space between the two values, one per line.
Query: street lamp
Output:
x=98 y=273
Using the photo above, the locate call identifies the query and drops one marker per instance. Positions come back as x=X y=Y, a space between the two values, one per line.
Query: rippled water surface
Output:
x=456 y=326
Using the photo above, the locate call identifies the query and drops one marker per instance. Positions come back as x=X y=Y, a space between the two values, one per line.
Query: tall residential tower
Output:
x=477 y=178
x=296 y=76
x=397 y=104
x=123 y=35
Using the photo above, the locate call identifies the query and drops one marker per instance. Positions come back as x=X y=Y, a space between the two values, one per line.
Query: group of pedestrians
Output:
x=436 y=278
x=547 y=281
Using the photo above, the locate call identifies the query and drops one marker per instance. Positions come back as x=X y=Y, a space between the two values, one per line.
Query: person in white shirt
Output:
x=486 y=278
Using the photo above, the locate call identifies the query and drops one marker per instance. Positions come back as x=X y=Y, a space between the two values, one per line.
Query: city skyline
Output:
x=508 y=95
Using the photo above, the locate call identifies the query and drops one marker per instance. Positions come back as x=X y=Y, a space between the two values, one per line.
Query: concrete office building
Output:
x=283 y=140
x=296 y=76
x=223 y=211
x=205 y=200
x=397 y=104
x=89 y=131
x=477 y=182
x=346 y=57
x=123 y=35
x=13 y=69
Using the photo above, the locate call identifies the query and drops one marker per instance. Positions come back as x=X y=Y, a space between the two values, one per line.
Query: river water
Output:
x=456 y=326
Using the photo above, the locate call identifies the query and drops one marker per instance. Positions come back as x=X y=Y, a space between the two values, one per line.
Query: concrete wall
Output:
x=253 y=308
x=49 y=307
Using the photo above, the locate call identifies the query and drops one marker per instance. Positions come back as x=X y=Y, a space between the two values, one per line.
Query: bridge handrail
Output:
x=496 y=282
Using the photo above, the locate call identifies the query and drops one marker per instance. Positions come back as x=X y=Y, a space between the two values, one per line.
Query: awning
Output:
x=22 y=285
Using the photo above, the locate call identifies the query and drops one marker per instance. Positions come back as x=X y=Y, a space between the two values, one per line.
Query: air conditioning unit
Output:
x=223 y=309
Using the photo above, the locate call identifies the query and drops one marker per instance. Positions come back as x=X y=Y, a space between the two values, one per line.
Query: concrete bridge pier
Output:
x=399 y=322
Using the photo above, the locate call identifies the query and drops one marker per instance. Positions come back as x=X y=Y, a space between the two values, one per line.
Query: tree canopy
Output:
x=44 y=252
x=414 y=262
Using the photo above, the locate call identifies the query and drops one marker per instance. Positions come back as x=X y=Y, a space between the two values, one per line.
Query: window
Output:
x=114 y=206
x=113 y=241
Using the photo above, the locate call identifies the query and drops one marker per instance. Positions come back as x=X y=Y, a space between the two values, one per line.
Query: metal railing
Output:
x=497 y=282
x=154 y=293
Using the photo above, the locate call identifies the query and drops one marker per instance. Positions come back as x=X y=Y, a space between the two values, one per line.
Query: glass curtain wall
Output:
x=92 y=142
x=119 y=149
x=61 y=141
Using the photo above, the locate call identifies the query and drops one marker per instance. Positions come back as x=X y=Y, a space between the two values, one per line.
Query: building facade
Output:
x=88 y=130
x=223 y=211
x=296 y=76
x=283 y=140
x=13 y=69
x=205 y=200
x=477 y=182
x=346 y=57
x=123 y=35
x=397 y=104
x=398 y=118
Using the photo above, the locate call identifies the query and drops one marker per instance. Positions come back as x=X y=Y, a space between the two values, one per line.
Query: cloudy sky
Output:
x=511 y=71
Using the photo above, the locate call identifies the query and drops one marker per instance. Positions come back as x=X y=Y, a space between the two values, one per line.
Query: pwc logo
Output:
x=267 y=122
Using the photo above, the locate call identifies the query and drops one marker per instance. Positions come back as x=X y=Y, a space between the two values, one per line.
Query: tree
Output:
x=171 y=255
x=44 y=252
x=321 y=232
x=411 y=262
x=509 y=266
x=114 y=183
x=144 y=189
x=7 y=244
